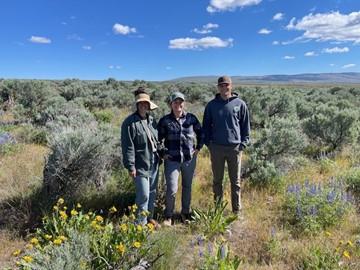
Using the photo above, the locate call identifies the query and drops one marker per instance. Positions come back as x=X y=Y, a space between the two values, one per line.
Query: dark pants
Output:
x=232 y=155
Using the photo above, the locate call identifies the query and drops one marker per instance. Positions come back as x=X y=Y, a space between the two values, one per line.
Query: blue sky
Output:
x=166 y=39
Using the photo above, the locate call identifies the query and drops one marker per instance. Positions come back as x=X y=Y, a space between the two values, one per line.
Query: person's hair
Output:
x=140 y=90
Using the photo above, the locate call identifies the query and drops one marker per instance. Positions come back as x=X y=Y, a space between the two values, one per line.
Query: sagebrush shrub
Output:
x=79 y=157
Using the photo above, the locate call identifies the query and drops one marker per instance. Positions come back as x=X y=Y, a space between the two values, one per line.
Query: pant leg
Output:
x=172 y=172
x=217 y=166
x=153 y=184
x=141 y=197
x=187 y=174
x=234 y=168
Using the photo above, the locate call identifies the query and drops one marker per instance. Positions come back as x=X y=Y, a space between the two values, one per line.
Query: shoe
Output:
x=167 y=222
x=156 y=224
x=186 y=218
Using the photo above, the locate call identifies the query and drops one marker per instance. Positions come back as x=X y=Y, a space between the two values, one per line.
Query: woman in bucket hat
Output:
x=139 y=142
x=183 y=138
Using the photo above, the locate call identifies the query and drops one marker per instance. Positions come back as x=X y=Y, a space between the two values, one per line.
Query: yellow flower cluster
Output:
x=121 y=249
x=137 y=244
x=113 y=210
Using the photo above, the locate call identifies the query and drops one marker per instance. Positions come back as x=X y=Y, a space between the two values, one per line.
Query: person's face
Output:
x=143 y=107
x=177 y=106
x=225 y=89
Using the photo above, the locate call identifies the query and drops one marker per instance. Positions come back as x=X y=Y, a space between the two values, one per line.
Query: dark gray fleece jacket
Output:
x=227 y=122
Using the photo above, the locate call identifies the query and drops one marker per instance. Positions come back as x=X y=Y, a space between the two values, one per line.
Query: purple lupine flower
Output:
x=223 y=252
x=331 y=196
x=298 y=211
x=313 y=210
x=210 y=249
x=273 y=232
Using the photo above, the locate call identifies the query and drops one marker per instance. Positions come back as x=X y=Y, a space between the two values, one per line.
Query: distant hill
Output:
x=318 y=78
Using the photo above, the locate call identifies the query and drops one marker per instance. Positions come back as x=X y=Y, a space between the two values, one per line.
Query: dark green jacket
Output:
x=136 y=148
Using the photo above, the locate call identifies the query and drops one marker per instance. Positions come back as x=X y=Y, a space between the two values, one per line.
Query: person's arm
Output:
x=207 y=125
x=161 y=128
x=244 y=126
x=199 y=134
x=128 y=149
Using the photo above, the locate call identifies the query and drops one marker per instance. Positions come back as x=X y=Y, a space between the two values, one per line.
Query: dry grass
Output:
x=21 y=170
x=8 y=244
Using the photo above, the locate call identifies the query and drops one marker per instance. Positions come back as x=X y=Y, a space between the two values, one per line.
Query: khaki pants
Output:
x=232 y=155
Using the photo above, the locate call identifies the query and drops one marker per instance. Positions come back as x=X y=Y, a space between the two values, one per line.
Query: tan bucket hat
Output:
x=145 y=97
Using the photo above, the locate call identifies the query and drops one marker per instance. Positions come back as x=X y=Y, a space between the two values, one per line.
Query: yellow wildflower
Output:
x=62 y=238
x=48 y=236
x=134 y=208
x=34 y=241
x=328 y=234
x=63 y=215
x=74 y=212
x=137 y=244
x=113 y=210
x=132 y=217
x=139 y=228
x=28 y=259
x=56 y=208
x=93 y=223
x=87 y=217
x=18 y=263
x=78 y=205
x=60 y=201
x=65 y=208
x=346 y=254
x=29 y=246
x=16 y=252
x=90 y=213
x=150 y=227
x=341 y=242
x=144 y=213
x=121 y=249
x=99 y=219
x=123 y=227
x=349 y=243
x=57 y=241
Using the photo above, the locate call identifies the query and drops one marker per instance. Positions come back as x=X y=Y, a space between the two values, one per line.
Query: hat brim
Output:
x=153 y=106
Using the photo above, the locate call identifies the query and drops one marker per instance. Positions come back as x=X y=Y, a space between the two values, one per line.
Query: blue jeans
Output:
x=172 y=172
x=145 y=192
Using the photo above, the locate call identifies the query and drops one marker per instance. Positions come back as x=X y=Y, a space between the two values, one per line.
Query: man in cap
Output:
x=226 y=126
x=183 y=138
x=139 y=140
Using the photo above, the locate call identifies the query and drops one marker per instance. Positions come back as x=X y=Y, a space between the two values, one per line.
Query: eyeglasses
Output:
x=223 y=84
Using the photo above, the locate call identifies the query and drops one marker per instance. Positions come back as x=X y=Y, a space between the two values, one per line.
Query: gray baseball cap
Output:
x=176 y=95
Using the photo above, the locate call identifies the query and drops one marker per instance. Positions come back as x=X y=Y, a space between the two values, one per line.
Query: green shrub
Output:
x=212 y=222
x=104 y=116
x=312 y=207
x=352 y=179
x=79 y=157
x=320 y=258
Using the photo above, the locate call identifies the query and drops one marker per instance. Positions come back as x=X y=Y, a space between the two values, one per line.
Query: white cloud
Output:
x=42 y=40
x=199 y=44
x=348 y=66
x=332 y=65
x=278 y=16
x=229 y=5
x=87 y=48
x=264 y=31
x=206 y=29
x=123 y=29
x=74 y=37
x=275 y=42
x=312 y=53
x=288 y=57
x=114 y=67
x=332 y=26
x=336 y=50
